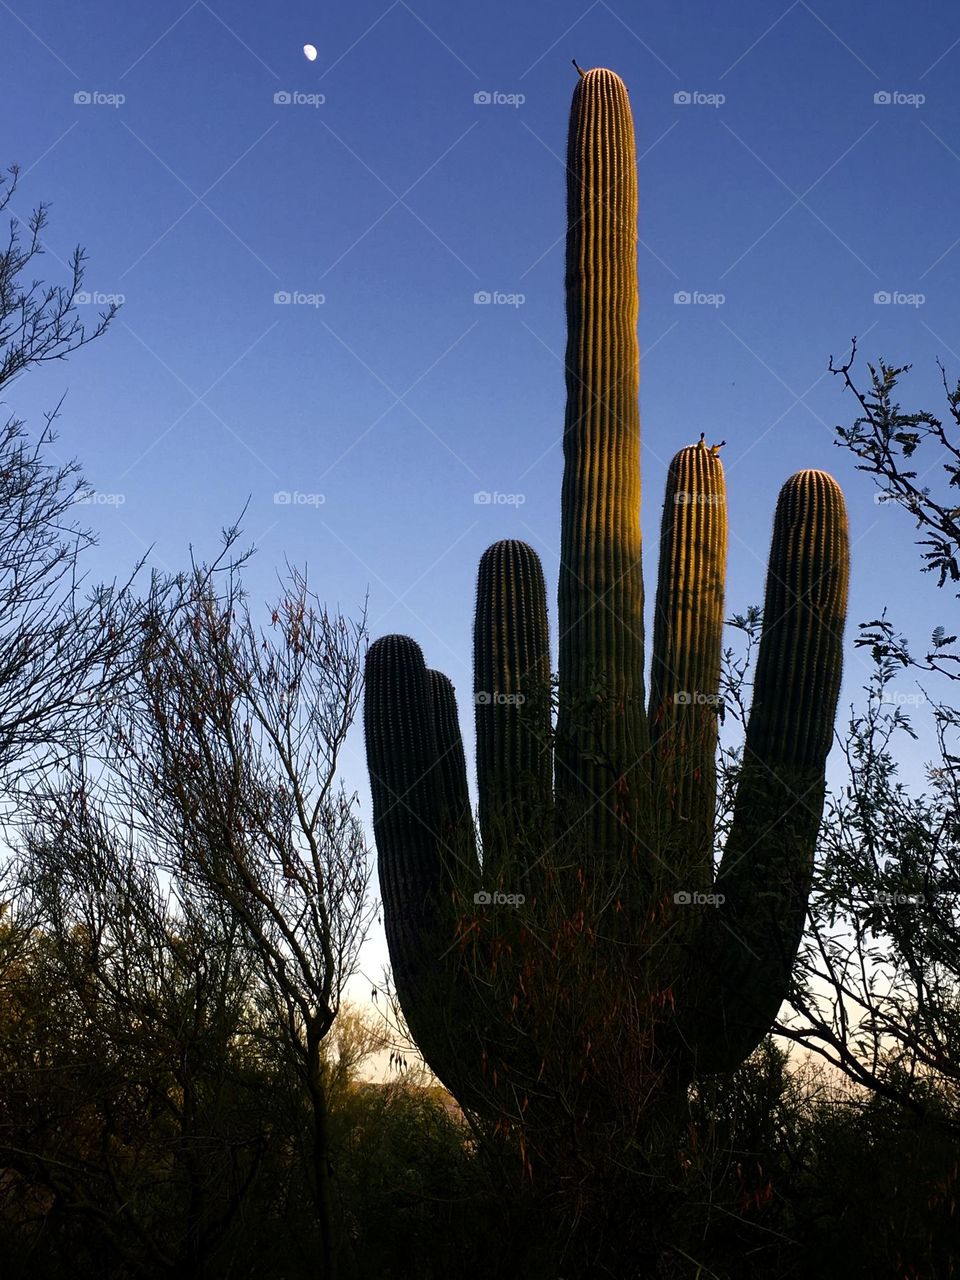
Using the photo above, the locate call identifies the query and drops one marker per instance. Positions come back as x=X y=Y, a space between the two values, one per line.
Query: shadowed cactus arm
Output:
x=511 y=693
x=456 y=830
x=601 y=739
x=422 y=826
x=750 y=944
x=685 y=673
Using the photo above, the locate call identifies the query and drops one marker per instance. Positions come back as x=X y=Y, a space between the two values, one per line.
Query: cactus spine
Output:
x=635 y=784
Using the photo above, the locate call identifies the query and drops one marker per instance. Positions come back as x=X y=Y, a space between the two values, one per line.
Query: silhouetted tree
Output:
x=230 y=756
x=61 y=651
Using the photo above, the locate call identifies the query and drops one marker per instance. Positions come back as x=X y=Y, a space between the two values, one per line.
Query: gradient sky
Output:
x=783 y=186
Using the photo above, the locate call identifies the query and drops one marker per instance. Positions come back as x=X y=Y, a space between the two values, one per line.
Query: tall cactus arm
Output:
x=685 y=673
x=512 y=695
x=418 y=793
x=602 y=739
x=752 y=938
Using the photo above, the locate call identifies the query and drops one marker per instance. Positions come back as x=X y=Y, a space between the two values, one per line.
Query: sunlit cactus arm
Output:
x=685 y=673
x=751 y=941
x=601 y=740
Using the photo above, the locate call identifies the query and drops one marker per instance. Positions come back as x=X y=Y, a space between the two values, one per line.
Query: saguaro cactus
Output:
x=633 y=785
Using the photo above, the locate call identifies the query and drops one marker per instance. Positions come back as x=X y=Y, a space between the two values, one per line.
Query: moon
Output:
x=310 y=52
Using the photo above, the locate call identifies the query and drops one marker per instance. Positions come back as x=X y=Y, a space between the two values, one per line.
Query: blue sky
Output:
x=384 y=395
